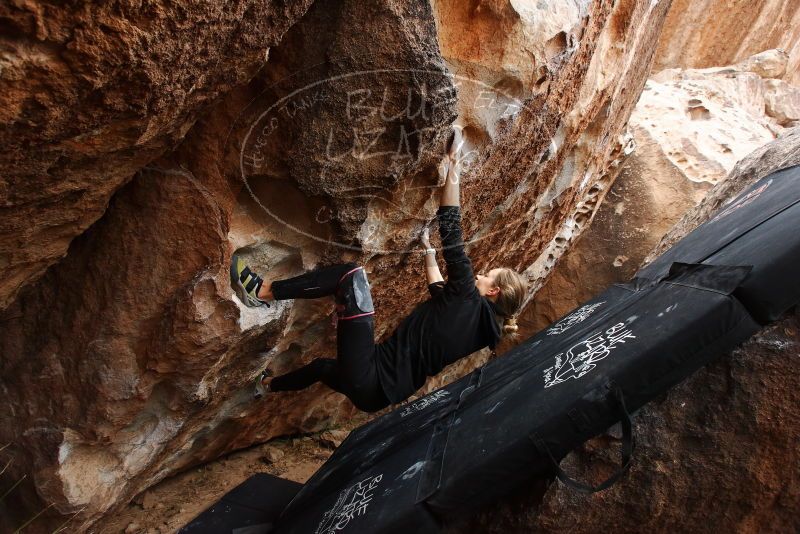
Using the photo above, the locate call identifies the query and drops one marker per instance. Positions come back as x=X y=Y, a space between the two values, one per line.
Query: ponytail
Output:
x=510 y=326
x=513 y=288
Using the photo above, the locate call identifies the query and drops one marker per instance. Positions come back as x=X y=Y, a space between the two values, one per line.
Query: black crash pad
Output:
x=249 y=508
x=436 y=460
x=760 y=228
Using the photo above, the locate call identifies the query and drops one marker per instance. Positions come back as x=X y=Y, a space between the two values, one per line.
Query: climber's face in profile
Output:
x=486 y=284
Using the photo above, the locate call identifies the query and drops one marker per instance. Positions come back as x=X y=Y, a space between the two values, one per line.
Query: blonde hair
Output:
x=513 y=288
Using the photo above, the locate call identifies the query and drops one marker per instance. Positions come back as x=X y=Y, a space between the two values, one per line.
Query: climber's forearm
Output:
x=450 y=192
x=432 y=272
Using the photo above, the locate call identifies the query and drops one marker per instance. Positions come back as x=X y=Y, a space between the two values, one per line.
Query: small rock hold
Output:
x=132 y=527
x=272 y=455
x=332 y=438
x=149 y=500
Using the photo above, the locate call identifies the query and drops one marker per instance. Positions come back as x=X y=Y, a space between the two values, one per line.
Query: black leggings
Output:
x=354 y=371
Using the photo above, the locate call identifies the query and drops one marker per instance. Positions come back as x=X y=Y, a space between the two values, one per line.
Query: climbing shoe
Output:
x=261 y=388
x=246 y=283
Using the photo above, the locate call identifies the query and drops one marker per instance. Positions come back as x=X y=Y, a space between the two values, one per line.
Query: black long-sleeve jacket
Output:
x=455 y=322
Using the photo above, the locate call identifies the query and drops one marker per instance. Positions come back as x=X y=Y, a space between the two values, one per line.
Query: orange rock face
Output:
x=707 y=33
x=90 y=94
x=131 y=359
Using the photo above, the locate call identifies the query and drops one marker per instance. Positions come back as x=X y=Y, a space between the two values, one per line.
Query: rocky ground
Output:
x=173 y=503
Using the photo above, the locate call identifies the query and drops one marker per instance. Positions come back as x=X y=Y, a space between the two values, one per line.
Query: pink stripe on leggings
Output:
x=354 y=316
x=348 y=273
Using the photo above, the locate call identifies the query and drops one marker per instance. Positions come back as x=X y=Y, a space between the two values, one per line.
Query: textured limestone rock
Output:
x=91 y=93
x=719 y=449
x=782 y=102
x=137 y=330
x=768 y=64
x=708 y=119
x=147 y=346
x=511 y=47
x=781 y=153
x=691 y=127
x=646 y=200
x=706 y=33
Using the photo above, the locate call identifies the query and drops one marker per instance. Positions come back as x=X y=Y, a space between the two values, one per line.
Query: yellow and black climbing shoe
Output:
x=246 y=283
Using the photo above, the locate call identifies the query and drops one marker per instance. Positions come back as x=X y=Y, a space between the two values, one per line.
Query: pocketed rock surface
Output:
x=690 y=126
x=130 y=360
x=91 y=93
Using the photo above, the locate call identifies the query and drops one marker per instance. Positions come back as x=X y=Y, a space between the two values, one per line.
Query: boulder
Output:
x=768 y=64
x=131 y=359
x=690 y=126
x=707 y=33
x=782 y=102
x=781 y=153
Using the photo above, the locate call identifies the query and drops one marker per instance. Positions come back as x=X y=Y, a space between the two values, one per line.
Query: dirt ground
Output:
x=174 y=502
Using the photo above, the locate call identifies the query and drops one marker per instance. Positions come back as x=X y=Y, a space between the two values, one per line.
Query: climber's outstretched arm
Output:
x=432 y=272
x=460 y=276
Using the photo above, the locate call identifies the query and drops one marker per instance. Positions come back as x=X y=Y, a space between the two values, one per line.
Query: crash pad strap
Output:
x=432 y=471
x=626 y=453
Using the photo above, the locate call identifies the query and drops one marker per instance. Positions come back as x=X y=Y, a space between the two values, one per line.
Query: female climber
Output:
x=464 y=315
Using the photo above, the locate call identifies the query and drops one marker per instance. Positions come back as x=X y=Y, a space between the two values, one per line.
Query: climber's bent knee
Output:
x=353 y=297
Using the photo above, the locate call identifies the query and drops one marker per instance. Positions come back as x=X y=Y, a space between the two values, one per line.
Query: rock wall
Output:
x=131 y=359
x=719 y=449
x=781 y=153
x=642 y=205
x=708 y=33
x=91 y=93
x=690 y=126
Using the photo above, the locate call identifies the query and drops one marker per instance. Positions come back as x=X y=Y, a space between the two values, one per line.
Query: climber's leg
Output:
x=320 y=370
x=357 y=365
x=358 y=381
x=355 y=342
x=354 y=372
x=320 y=282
